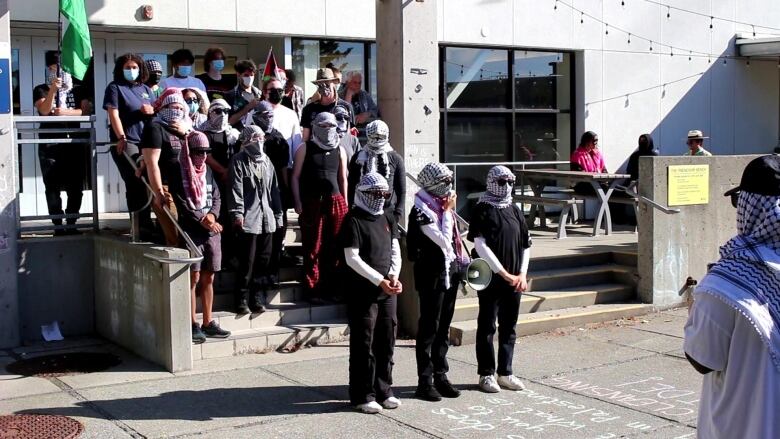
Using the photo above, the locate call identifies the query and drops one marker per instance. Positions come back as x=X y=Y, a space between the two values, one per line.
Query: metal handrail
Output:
x=653 y=203
x=17 y=120
x=187 y=240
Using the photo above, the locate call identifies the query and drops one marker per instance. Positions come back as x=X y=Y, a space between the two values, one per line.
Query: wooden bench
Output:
x=535 y=202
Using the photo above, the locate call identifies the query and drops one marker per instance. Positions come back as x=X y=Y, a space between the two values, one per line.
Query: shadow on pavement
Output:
x=209 y=404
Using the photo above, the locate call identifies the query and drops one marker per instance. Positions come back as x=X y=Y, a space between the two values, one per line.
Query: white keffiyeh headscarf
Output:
x=373 y=156
x=498 y=193
x=747 y=277
x=364 y=198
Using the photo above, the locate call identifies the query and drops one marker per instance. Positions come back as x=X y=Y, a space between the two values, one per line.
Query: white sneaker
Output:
x=370 y=407
x=487 y=383
x=391 y=403
x=511 y=382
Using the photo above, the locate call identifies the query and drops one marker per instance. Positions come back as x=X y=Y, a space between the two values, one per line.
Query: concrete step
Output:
x=280 y=338
x=571 y=277
x=226 y=280
x=541 y=301
x=285 y=314
x=465 y=332
x=568 y=261
x=287 y=292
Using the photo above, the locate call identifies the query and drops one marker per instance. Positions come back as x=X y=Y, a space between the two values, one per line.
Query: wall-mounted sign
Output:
x=689 y=185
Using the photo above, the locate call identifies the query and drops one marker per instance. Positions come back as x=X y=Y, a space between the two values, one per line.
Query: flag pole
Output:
x=59 y=49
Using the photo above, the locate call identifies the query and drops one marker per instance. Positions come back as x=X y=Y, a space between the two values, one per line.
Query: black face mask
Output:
x=275 y=95
x=155 y=78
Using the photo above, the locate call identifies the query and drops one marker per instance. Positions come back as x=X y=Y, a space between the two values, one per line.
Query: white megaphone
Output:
x=478 y=274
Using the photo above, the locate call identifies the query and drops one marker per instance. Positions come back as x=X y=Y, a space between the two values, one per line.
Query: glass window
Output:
x=15 y=81
x=542 y=80
x=310 y=55
x=476 y=78
x=542 y=137
x=372 y=71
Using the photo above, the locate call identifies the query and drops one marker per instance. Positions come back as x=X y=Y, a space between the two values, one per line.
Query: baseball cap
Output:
x=761 y=176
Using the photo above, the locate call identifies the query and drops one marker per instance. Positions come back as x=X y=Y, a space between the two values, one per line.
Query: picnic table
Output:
x=538 y=178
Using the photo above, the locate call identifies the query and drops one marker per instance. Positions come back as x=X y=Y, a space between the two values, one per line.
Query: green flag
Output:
x=76 y=45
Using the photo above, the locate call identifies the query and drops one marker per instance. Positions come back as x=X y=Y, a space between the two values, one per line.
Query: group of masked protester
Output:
x=269 y=152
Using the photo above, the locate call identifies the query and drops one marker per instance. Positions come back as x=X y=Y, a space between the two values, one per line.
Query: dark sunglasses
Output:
x=341 y=117
x=280 y=90
x=191 y=100
x=446 y=180
x=379 y=194
x=735 y=198
x=219 y=111
x=503 y=181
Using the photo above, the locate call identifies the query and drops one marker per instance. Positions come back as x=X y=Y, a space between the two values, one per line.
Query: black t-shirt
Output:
x=217 y=89
x=428 y=257
x=311 y=111
x=373 y=235
x=320 y=172
x=157 y=136
x=277 y=148
x=504 y=231
x=220 y=149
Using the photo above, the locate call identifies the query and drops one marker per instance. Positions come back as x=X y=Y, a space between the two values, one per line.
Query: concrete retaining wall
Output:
x=56 y=282
x=143 y=305
x=673 y=247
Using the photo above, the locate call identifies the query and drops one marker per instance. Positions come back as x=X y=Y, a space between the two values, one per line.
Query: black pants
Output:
x=372 y=326
x=254 y=254
x=62 y=170
x=278 y=244
x=436 y=309
x=497 y=301
x=136 y=193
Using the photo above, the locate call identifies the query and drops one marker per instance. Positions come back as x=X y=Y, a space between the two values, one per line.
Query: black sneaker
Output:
x=427 y=392
x=242 y=306
x=198 y=336
x=289 y=260
x=445 y=388
x=257 y=302
x=213 y=330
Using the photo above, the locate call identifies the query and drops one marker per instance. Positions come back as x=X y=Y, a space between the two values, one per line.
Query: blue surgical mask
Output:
x=194 y=106
x=130 y=74
x=184 y=70
x=218 y=64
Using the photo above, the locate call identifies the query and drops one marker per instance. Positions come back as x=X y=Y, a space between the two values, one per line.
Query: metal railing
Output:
x=185 y=236
x=28 y=126
x=522 y=165
x=652 y=203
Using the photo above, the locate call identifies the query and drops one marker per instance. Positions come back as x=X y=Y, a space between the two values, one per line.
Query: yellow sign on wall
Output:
x=689 y=185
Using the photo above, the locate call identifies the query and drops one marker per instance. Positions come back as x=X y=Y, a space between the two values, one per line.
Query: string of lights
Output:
x=653 y=45
x=654 y=87
x=670 y=8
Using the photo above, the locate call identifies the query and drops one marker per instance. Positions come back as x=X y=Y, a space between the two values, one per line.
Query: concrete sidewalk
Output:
x=621 y=379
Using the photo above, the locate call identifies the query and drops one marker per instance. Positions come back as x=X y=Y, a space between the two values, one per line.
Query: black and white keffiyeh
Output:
x=371 y=183
x=498 y=195
x=373 y=156
x=747 y=277
x=433 y=178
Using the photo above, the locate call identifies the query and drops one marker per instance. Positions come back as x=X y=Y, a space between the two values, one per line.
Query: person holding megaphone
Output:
x=501 y=237
x=435 y=246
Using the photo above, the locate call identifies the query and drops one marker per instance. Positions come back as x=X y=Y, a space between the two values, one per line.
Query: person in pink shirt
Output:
x=587 y=158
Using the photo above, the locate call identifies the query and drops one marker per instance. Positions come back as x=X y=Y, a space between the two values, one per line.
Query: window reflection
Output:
x=310 y=55
x=476 y=78
x=542 y=80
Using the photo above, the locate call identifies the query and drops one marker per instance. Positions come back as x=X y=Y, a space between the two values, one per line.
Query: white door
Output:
x=30 y=52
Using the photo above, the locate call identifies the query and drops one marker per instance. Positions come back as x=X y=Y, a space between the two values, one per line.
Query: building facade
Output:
x=519 y=80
